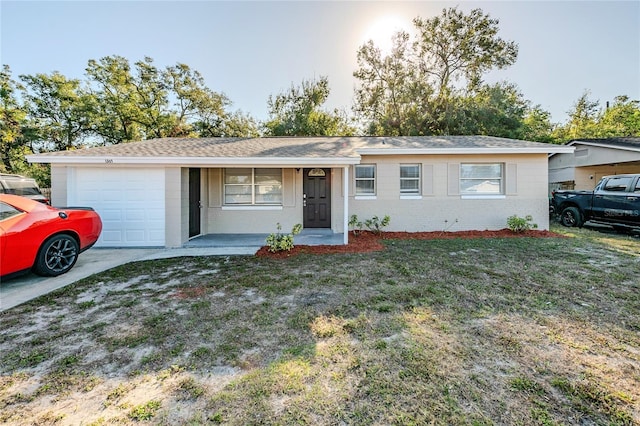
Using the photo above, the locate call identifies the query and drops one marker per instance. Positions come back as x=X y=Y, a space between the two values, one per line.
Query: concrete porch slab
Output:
x=310 y=237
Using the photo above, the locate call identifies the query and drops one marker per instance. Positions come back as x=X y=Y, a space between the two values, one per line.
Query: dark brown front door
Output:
x=194 y=202
x=317 y=198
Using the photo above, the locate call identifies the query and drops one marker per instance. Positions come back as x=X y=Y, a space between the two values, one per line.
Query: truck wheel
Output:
x=571 y=217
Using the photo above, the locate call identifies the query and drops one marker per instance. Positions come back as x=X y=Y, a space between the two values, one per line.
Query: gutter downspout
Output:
x=345 y=182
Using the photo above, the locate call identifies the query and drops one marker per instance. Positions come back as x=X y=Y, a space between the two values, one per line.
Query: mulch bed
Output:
x=366 y=242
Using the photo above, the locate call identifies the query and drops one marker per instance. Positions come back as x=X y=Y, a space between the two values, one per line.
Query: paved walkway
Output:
x=24 y=288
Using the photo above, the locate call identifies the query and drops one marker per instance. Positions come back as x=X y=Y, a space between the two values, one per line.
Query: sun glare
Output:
x=382 y=30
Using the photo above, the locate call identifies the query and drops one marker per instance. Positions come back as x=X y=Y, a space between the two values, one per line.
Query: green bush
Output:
x=521 y=224
x=375 y=224
x=355 y=224
x=280 y=242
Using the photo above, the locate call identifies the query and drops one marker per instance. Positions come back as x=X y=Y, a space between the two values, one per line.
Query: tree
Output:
x=146 y=102
x=582 y=120
x=60 y=108
x=194 y=103
x=537 y=126
x=151 y=100
x=12 y=118
x=236 y=124
x=622 y=119
x=455 y=46
x=297 y=112
x=116 y=112
x=392 y=97
x=133 y=103
x=202 y=112
x=418 y=88
x=497 y=110
x=588 y=120
x=17 y=132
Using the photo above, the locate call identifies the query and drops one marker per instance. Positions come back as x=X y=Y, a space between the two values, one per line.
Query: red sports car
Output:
x=41 y=238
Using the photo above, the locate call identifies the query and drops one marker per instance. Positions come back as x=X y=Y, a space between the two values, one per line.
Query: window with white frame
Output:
x=247 y=186
x=482 y=179
x=365 y=176
x=409 y=179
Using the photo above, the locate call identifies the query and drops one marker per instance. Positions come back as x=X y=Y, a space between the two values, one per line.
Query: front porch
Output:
x=220 y=212
x=308 y=237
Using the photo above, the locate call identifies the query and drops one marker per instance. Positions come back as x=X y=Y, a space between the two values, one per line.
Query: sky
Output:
x=250 y=50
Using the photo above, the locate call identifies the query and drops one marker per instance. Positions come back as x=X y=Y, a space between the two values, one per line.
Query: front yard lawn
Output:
x=507 y=331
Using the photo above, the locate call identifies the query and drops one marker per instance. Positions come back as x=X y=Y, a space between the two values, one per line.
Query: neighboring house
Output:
x=162 y=192
x=591 y=160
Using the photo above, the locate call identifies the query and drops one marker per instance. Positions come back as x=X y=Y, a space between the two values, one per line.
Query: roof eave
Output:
x=602 y=145
x=444 y=151
x=204 y=161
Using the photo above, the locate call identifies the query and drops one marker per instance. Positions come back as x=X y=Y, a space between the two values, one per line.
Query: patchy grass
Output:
x=145 y=411
x=477 y=331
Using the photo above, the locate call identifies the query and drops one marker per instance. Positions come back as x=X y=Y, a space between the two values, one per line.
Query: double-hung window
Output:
x=365 y=176
x=409 y=179
x=482 y=179
x=247 y=186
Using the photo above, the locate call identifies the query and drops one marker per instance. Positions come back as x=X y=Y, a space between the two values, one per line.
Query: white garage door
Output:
x=129 y=201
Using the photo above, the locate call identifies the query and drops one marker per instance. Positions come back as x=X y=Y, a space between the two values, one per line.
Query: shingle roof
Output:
x=612 y=142
x=449 y=142
x=219 y=147
x=344 y=149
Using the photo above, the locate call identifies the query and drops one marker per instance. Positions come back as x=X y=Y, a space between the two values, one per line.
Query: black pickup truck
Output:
x=615 y=201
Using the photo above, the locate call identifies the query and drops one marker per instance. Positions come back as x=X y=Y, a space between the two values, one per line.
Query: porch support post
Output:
x=345 y=182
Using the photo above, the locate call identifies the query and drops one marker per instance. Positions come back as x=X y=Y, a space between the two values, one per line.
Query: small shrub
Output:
x=280 y=242
x=355 y=224
x=375 y=224
x=521 y=224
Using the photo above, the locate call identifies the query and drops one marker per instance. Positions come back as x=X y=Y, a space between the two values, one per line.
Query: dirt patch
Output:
x=366 y=242
x=190 y=292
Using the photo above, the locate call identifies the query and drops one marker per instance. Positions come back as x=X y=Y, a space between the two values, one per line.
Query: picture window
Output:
x=482 y=179
x=247 y=186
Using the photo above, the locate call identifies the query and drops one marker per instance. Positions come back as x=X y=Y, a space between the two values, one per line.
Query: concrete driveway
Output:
x=24 y=288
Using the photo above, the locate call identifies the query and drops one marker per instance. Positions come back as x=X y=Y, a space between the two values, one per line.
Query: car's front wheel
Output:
x=56 y=256
x=571 y=217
